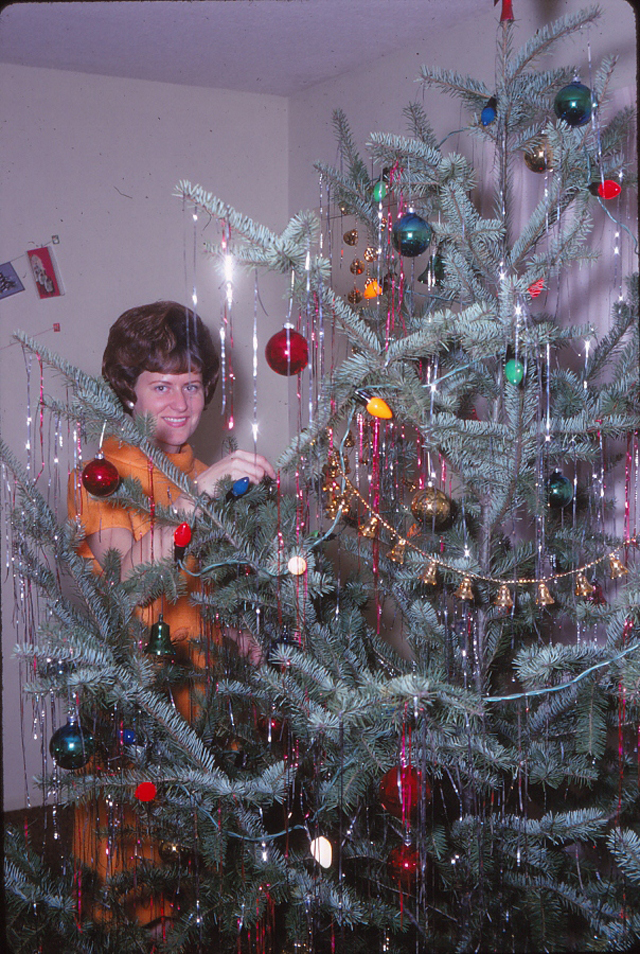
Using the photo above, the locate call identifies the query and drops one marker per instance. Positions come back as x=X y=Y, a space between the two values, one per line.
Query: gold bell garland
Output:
x=543 y=597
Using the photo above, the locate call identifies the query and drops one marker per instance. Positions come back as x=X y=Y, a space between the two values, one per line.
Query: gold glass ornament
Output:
x=370 y=254
x=350 y=237
x=349 y=440
x=431 y=506
x=356 y=267
x=465 y=590
x=543 y=596
x=539 y=158
x=583 y=587
x=430 y=575
x=504 y=599
x=616 y=568
x=398 y=551
x=354 y=297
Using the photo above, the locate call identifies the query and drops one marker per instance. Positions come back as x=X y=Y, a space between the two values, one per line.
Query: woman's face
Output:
x=176 y=401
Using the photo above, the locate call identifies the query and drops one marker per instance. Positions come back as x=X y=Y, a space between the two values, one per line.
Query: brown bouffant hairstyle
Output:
x=163 y=336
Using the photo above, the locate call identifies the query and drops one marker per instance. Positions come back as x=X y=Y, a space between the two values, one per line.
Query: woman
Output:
x=160 y=361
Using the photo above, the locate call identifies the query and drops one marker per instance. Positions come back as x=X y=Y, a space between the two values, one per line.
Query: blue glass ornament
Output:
x=71 y=746
x=559 y=491
x=489 y=113
x=128 y=737
x=411 y=235
x=573 y=104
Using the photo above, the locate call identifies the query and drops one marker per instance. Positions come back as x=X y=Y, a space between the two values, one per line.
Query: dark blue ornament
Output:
x=128 y=737
x=573 y=104
x=559 y=491
x=411 y=235
x=240 y=487
x=489 y=113
x=71 y=746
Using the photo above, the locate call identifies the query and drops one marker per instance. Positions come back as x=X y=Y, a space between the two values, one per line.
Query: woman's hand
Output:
x=235 y=466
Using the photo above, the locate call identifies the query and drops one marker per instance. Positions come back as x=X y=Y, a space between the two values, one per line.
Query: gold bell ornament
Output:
x=430 y=575
x=616 y=568
x=398 y=551
x=504 y=599
x=583 y=587
x=543 y=596
x=370 y=530
x=465 y=590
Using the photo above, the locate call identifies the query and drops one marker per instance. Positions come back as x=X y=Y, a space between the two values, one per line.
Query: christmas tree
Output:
x=438 y=751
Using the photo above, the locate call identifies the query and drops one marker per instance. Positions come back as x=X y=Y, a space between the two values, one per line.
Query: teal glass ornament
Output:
x=573 y=104
x=71 y=746
x=514 y=371
x=379 y=191
x=411 y=235
x=559 y=491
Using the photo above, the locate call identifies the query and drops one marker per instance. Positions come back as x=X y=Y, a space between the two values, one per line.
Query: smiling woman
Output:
x=161 y=362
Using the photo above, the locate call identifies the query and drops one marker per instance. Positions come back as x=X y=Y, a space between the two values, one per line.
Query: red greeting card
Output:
x=45 y=273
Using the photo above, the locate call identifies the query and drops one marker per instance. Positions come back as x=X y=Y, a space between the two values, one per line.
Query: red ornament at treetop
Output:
x=100 y=477
x=400 y=791
x=287 y=351
x=403 y=864
x=506 y=13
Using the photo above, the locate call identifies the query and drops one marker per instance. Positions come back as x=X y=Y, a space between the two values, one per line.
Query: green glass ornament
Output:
x=71 y=746
x=559 y=491
x=514 y=371
x=433 y=275
x=159 y=639
x=379 y=191
x=573 y=104
x=411 y=235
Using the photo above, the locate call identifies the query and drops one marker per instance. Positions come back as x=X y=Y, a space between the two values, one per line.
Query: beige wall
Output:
x=95 y=160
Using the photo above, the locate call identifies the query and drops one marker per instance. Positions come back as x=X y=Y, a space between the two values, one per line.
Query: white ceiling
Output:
x=266 y=46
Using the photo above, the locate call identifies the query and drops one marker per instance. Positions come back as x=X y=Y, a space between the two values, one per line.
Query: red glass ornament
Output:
x=100 y=477
x=597 y=596
x=146 y=792
x=287 y=351
x=400 y=791
x=182 y=536
x=403 y=864
x=537 y=288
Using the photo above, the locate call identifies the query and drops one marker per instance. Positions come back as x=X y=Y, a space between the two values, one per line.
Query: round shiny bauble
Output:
x=287 y=351
x=411 y=235
x=559 y=491
x=100 y=477
x=403 y=864
x=379 y=191
x=356 y=267
x=489 y=113
x=400 y=791
x=297 y=565
x=146 y=792
x=350 y=237
x=573 y=104
x=431 y=507
x=355 y=296
x=514 y=371
x=370 y=254
x=539 y=158
x=71 y=746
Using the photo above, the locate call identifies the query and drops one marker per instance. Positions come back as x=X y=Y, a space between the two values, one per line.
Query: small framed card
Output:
x=45 y=273
x=10 y=284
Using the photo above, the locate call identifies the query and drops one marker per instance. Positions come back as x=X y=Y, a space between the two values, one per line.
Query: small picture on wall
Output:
x=45 y=273
x=10 y=284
